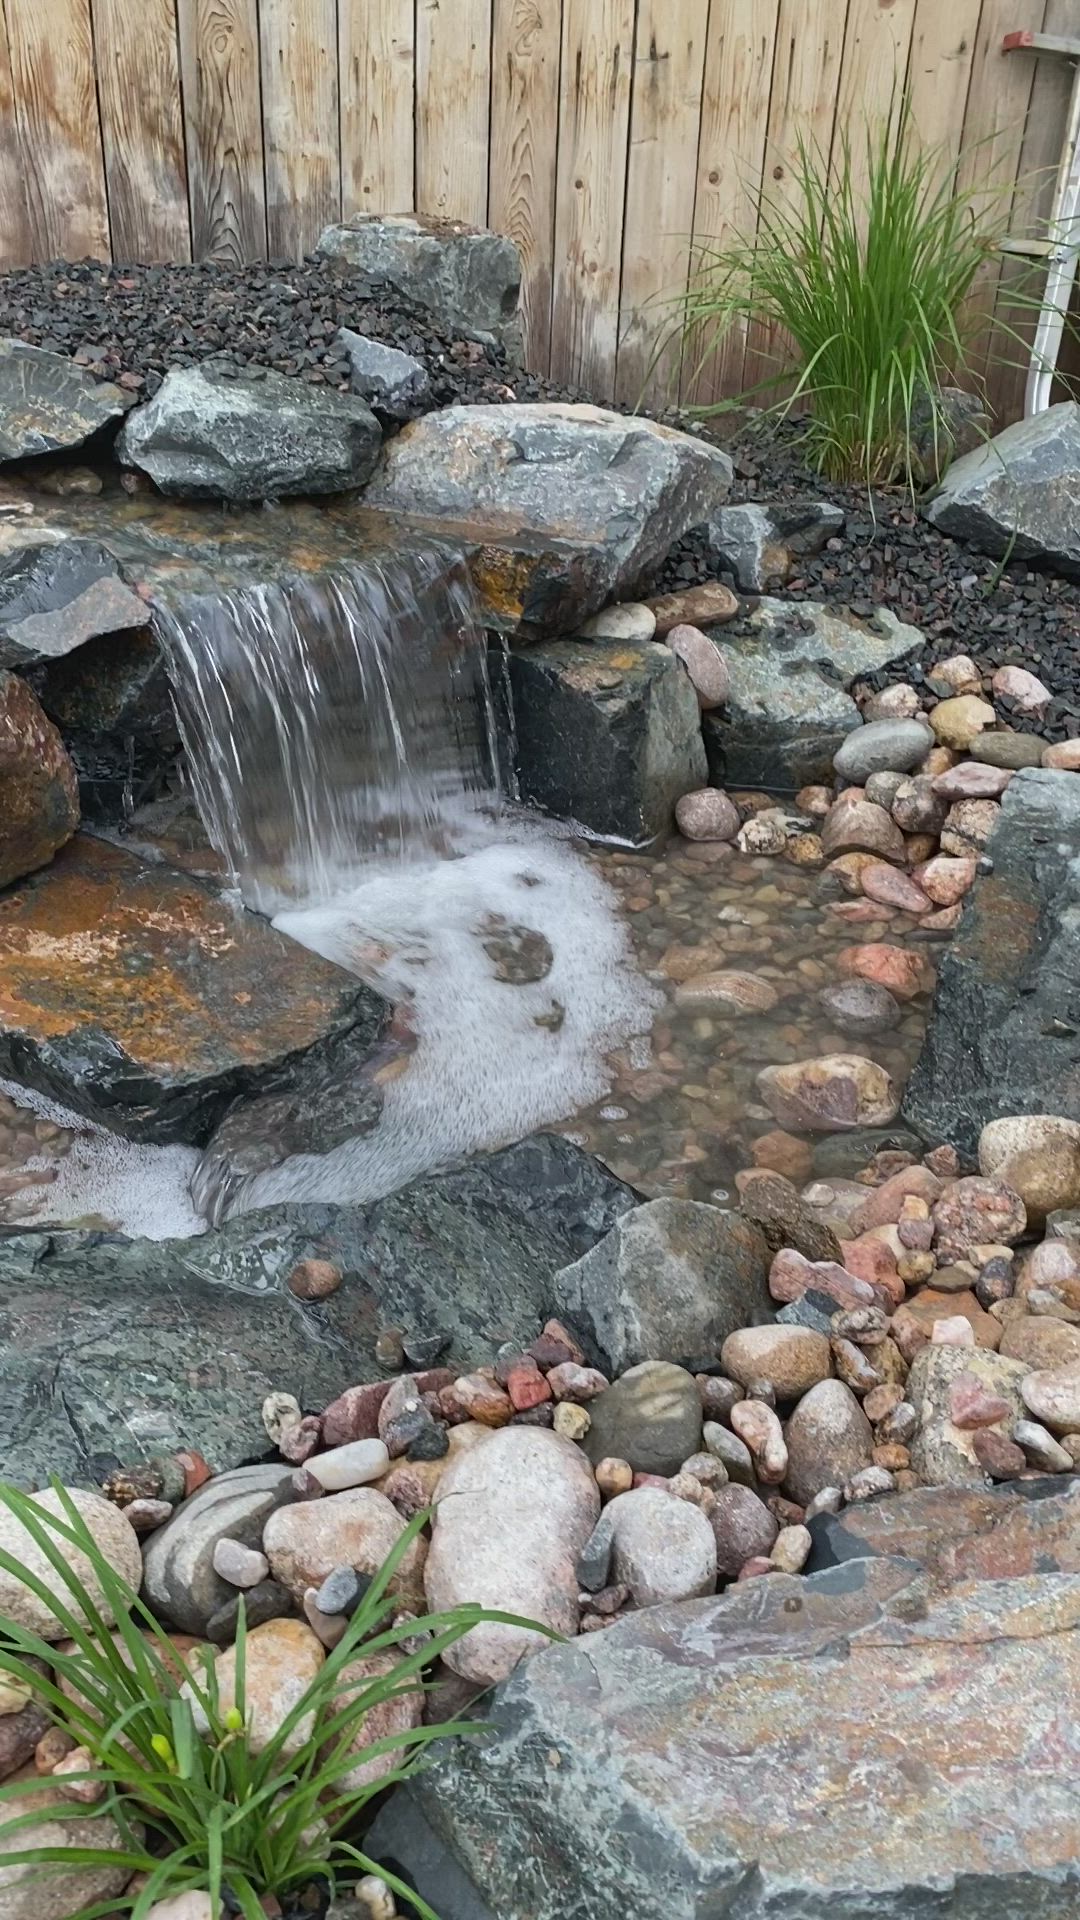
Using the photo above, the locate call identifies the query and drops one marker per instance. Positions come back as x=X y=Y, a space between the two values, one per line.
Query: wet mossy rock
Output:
x=606 y=733
x=734 y=1755
x=1005 y=1024
x=39 y=795
x=212 y=435
x=111 y=1348
x=56 y=596
x=135 y=995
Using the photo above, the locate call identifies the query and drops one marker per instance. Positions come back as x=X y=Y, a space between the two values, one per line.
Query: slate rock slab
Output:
x=394 y=384
x=613 y=492
x=467 y=277
x=607 y=734
x=792 y=666
x=1004 y=1032
x=768 y=1755
x=47 y=402
x=39 y=794
x=55 y=597
x=761 y=545
x=208 y=435
x=669 y=1282
x=957 y=1533
x=136 y=996
x=179 y=1581
x=1019 y=492
x=112 y=1349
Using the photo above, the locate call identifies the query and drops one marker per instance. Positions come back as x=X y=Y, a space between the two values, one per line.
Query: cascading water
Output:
x=334 y=720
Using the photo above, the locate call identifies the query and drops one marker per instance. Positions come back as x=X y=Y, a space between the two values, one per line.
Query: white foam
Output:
x=143 y=1189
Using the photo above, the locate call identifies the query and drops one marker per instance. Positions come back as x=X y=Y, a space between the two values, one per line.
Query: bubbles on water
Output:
x=105 y=1181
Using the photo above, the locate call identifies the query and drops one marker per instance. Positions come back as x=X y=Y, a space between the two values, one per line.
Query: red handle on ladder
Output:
x=1014 y=40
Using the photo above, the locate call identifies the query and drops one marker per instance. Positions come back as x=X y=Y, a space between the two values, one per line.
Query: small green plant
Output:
x=199 y=1809
x=864 y=287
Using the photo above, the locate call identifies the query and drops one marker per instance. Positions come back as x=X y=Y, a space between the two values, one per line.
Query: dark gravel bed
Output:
x=889 y=556
x=131 y=324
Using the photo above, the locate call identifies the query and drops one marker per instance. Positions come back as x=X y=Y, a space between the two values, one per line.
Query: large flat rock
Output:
x=114 y=1349
x=798 y=1749
x=136 y=995
x=1004 y=1033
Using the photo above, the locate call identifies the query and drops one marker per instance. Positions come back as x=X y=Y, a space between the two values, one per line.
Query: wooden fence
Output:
x=607 y=136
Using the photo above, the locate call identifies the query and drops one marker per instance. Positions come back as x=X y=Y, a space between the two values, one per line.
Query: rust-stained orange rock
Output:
x=39 y=794
x=139 y=997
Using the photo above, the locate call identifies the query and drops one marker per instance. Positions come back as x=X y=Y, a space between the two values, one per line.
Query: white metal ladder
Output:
x=1061 y=249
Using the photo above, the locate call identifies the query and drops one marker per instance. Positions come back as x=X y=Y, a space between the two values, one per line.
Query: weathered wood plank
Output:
x=942 y=51
x=873 y=71
x=142 y=129
x=594 y=123
x=731 y=157
x=16 y=241
x=665 y=121
x=377 y=68
x=453 y=90
x=524 y=139
x=52 y=73
x=219 y=67
x=301 y=132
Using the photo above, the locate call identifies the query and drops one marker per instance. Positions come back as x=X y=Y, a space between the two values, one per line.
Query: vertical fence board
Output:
x=873 y=73
x=301 y=134
x=377 y=67
x=942 y=51
x=524 y=140
x=16 y=240
x=806 y=75
x=731 y=156
x=594 y=127
x=142 y=129
x=219 y=66
x=453 y=90
x=55 y=92
x=665 y=120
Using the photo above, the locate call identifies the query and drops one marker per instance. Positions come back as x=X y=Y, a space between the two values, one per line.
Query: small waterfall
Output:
x=335 y=720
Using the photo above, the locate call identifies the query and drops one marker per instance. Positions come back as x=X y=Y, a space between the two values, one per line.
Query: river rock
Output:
x=468 y=277
x=38 y=784
x=957 y=722
x=282 y=1659
x=791 y=1359
x=394 y=384
x=945 y=879
x=742 y=1527
x=761 y=545
x=708 y=604
x=838 y=1091
x=606 y=734
x=862 y=827
x=942 y=1453
x=115 y=1539
x=650 y=1417
x=511 y=1518
x=1015 y=494
x=605 y=494
x=670 y=1281
x=976 y=1212
x=1042 y=1343
x=1004 y=748
x=1037 y=1155
x=969 y=826
x=181 y=1584
x=829 y=1440
x=208 y=435
x=57 y=1890
x=48 y=403
x=971 y=780
x=306 y=1541
x=397 y=1714
x=662 y=1548
x=860 y=1008
x=789 y=708
x=1053 y=1397
x=704 y=663
x=883 y=746
x=903 y=971
x=707 y=815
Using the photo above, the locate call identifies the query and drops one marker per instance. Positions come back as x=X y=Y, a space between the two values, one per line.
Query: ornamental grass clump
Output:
x=861 y=276
x=173 y=1767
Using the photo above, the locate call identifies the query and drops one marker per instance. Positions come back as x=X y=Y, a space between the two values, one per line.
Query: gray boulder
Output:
x=761 y=546
x=670 y=1282
x=179 y=1581
x=691 y=1761
x=48 y=403
x=1018 y=493
x=395 y=386
x=607 y=734
x=467 y=277
x=212 y=435
x=609 y=494
x=1003 y=1028
x=57 y=596
x=111 y=1349
x=790 y=708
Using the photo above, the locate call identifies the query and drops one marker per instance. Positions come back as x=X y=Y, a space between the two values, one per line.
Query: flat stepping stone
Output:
x=138 y=997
